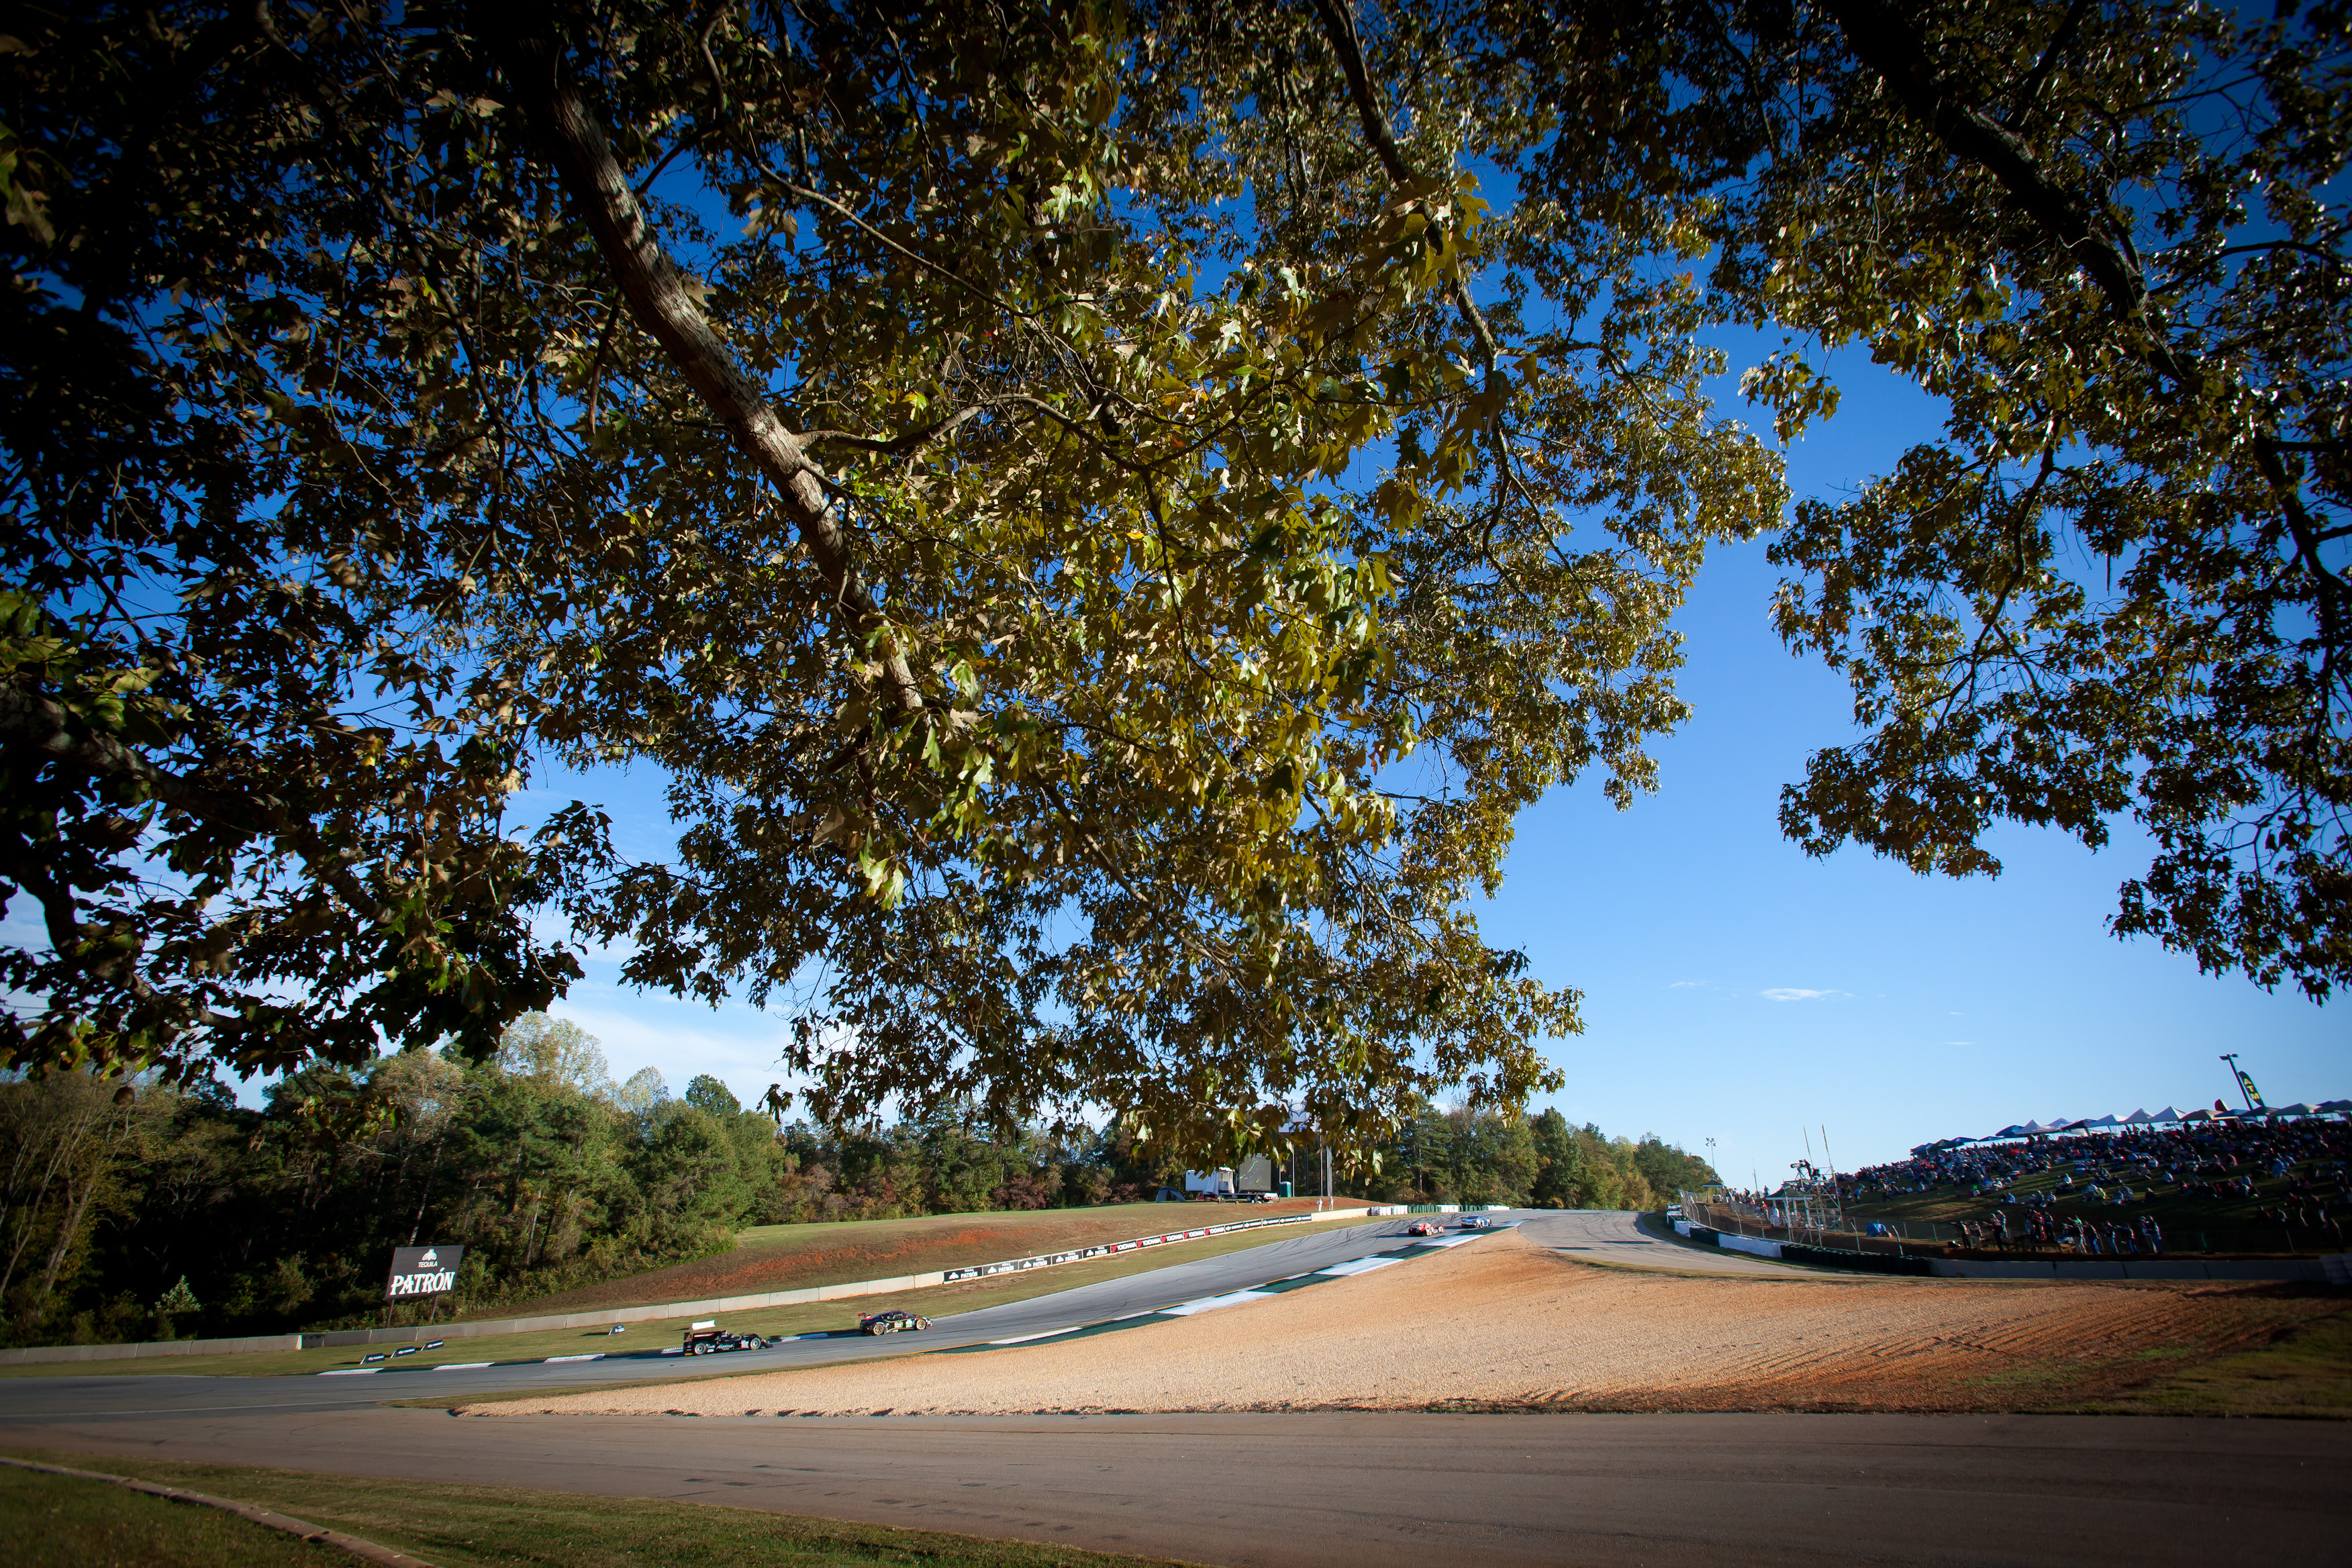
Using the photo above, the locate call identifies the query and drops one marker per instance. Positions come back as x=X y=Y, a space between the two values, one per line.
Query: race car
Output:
x=892 y=1323
x=1425 y=1227
x=707 y=1338
x=1474 y=1222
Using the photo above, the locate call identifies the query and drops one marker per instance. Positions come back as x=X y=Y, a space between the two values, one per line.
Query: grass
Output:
x=491 y=1527
x=2305 y=1371
x=939 y=1300
x=58 y=1521
x=791 y=1257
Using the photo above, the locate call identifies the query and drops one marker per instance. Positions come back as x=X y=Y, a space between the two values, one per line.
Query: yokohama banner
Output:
x=422 y=1271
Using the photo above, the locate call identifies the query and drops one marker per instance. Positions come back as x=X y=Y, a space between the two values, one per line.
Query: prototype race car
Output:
x=1425 y=1227
x=891 y=1322
x=1474 y=1222
x=708 y=1338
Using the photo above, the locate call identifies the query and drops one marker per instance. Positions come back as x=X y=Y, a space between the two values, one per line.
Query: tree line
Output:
x=1461 y=1155
x=137 y=1210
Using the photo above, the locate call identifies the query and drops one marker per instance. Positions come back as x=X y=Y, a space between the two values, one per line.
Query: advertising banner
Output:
x=422 y=1271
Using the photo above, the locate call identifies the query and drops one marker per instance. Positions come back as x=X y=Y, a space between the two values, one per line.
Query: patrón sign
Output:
x=422 y=1271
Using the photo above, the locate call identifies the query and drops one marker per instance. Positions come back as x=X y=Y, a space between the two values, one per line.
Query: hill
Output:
x=793 y=1257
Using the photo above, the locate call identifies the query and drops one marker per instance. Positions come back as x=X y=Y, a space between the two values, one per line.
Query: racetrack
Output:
x=1611 y=1236
x=1299 y=1252
x=1506 y=1322
x=1368 y=1490
x=1356 y=1487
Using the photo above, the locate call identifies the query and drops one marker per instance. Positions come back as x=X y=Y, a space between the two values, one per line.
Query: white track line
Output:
x=1357 y=1266
x=1211 y=1303
x=1046 y=1334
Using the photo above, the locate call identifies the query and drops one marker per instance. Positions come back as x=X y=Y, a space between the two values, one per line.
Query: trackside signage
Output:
x=422 y=1271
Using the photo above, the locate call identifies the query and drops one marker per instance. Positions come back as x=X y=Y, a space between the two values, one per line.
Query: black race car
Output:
x=708 y=1338
x=891 y=1322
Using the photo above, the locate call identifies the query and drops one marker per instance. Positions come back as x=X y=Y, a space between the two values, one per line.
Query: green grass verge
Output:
x=58 y=1521
x=483 y=1527
x=792 y=1257
x=2305 y=1371
x=937 y=1301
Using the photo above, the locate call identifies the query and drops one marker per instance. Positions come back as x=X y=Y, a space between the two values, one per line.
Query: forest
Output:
x=134 y=1211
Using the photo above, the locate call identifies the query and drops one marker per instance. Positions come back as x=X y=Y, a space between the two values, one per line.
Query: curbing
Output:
x=245 y=1510
x=712 y=1307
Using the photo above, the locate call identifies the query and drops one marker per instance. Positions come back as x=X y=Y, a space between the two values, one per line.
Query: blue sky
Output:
x=1908 y=1009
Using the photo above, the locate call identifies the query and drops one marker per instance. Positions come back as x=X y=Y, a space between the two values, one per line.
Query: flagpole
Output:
x=2245 y=1093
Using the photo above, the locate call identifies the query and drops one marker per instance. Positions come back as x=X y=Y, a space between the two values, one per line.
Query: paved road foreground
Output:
x=1365 y=1488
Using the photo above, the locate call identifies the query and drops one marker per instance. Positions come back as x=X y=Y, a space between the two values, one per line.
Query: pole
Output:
x=2231 y=1058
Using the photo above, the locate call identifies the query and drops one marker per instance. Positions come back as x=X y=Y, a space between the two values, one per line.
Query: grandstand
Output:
x=2262 y=1182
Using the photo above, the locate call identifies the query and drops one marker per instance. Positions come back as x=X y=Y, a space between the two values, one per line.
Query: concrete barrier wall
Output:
x=2312 y=1269
x=2335 y=1269
x=38 y=1354
x=419 y=1332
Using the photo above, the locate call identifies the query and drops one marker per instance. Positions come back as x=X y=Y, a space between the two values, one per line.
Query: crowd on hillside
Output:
x=2220 y=1159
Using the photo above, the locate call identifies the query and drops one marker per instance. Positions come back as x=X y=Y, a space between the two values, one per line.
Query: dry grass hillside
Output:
x=794 y=1256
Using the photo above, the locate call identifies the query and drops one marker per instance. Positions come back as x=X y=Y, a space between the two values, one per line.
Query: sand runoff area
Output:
x=1505 y=1323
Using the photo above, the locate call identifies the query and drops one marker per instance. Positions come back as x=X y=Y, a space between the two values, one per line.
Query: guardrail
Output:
x=1110 y=1248
x=411 y=1334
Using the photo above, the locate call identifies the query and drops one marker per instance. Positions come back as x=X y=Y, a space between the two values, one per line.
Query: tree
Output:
x=975 y=521
x=708 y=1095
x=557 y=1050
x=1670 y=1170
x=2116 y=586
x=176 y=1303
x=1560 y=1173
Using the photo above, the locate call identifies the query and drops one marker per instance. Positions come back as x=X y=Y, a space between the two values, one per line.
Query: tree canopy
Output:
x=1104 y=515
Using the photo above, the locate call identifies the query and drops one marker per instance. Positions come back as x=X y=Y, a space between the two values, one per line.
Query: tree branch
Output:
x=658 y=298
x=39 y=725
x=1339 y=30
x=1886 y=42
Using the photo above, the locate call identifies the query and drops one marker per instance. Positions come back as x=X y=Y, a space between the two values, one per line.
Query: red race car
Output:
x=1425 y=1227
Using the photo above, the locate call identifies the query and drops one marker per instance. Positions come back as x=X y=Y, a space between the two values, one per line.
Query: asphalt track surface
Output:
x=1303 y=1250
x=1361 y=1488
x=1610 y=1235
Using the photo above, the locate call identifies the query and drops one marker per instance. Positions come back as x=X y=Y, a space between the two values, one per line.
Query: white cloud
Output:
x=1795 y=994
x=1686 y=985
